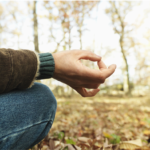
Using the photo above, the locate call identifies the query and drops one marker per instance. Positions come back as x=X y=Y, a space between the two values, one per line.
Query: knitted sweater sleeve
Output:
x=46 y=66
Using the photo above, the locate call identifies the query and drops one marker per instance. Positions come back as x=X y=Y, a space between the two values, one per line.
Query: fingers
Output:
x=84 y=93
x=97 y=76
x=90 y=56
x=92 y=75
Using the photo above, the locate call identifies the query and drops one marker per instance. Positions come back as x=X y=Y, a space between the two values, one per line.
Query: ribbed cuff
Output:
x=47 y=66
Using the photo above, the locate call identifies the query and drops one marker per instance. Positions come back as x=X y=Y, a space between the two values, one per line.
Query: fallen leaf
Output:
x=84 y=139
x=131 y=144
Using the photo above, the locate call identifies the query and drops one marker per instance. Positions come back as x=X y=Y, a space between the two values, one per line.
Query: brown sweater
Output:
x=18 y=69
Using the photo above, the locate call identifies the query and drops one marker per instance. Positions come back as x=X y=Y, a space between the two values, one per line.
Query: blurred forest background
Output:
x=117 y=31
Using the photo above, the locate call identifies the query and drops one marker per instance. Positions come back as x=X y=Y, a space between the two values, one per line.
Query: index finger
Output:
x=89 y=56
x=84 y=93
x=98 y=76
x=101 y=65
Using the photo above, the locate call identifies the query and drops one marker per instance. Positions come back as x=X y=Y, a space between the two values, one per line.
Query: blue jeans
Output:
x=26 y=117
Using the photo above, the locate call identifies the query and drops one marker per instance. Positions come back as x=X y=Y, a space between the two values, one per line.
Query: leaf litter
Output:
x=105 y=123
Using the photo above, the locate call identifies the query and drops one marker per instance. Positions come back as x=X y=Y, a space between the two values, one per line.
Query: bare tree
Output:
x=60 y=20
x=82 y=9
x=71 y=14
x=117 y=13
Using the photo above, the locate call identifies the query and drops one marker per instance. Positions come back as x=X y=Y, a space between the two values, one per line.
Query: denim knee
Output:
x=50 y=105
x=27 y=116
x=48 y=100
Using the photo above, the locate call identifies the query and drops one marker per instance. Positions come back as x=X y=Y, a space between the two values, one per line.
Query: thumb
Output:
x=108 y=72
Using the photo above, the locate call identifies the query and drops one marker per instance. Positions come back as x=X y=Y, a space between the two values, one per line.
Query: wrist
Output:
x=47 y=66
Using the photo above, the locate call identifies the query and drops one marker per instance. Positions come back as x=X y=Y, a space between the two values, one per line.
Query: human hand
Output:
x=70 y=70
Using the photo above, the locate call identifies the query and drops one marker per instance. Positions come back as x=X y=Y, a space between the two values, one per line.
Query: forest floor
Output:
x=105 y=123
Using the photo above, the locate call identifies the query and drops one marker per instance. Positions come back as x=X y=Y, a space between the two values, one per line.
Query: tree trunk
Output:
x=35 y=25
x=80 y=38
x=127 y=88
x=36 y=42
x=69 y=39
x=81 y=25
